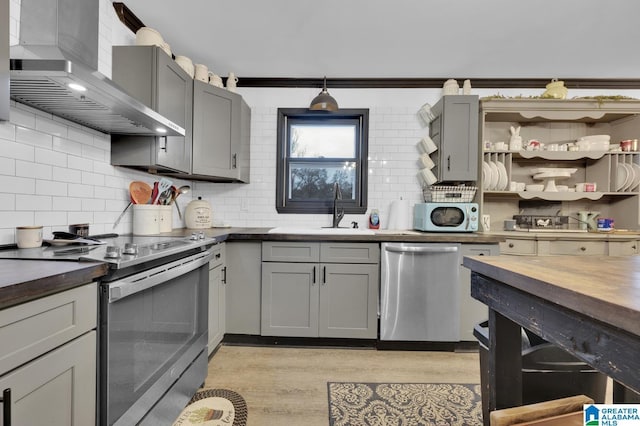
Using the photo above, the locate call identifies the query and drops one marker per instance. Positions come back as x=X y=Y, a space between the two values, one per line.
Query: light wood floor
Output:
x=288 y=386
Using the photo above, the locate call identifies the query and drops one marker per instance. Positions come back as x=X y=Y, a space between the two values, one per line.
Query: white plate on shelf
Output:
x=622 y=174
x=486 y=175
x=503 y=180
x=495 y=176
x=636 y=181
x=631 y=177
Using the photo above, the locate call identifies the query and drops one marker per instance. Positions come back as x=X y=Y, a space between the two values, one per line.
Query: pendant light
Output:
x=324 y=101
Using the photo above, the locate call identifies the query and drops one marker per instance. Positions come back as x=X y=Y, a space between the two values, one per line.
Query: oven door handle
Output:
x=147 y=279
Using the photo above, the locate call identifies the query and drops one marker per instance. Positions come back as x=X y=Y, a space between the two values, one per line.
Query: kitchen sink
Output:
x=321 y=231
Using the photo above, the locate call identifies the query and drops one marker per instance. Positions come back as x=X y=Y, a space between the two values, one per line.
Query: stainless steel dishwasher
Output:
x=420 y=292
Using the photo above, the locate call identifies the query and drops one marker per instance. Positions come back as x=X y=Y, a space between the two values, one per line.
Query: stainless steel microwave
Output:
x=446 y=217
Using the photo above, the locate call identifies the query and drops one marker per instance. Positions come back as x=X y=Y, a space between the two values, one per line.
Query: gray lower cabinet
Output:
x=48 y=358
x=472 y=311
x=320 y=289
x=148 y=74
x=217 y=308
x=242 y=290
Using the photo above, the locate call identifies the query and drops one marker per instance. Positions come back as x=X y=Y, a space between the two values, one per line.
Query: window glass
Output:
x=323 y=141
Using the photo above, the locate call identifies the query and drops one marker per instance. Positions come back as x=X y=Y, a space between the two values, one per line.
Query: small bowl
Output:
x=534 y=188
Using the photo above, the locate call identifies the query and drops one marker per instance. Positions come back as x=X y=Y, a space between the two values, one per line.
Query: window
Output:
x=317 y=149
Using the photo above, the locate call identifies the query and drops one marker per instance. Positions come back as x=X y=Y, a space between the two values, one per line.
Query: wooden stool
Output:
x=566 y=411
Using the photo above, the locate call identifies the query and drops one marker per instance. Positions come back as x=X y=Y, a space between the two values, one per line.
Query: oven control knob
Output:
x=130 y=248
x=113 y=252
x=201 y=235
x=194 y=236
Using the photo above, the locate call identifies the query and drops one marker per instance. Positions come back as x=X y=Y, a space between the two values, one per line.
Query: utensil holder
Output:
x=146 y=219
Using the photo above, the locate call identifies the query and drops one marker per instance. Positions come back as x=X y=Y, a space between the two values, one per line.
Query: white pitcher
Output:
x=231 y=82
x=215 y=80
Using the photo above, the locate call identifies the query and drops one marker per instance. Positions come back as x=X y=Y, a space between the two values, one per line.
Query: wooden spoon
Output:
x=139 y=193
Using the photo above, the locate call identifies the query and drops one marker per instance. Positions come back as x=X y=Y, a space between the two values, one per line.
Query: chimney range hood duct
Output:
x=58 y=48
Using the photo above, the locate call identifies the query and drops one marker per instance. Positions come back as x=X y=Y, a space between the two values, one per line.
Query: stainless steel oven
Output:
x=153 y=338
x=152 y=332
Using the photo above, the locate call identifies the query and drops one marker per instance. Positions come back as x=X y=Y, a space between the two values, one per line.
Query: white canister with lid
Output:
x=198 y=214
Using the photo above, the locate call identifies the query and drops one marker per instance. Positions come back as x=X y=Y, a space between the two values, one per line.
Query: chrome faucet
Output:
x=338 y=213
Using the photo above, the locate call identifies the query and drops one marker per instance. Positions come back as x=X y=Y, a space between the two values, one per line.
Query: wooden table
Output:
x=587 y=305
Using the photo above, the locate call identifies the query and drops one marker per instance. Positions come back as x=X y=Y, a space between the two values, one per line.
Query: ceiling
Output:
x=403 y=38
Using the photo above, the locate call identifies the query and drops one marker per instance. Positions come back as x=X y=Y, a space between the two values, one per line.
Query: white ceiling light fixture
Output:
x=324 y=101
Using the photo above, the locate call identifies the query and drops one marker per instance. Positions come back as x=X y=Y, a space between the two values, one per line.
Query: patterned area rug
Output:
x=214 y=407
x=404 y=404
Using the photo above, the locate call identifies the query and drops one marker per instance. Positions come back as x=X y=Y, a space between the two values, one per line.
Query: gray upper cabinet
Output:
x=148 y=74
x=221 y=131
x=454 y=130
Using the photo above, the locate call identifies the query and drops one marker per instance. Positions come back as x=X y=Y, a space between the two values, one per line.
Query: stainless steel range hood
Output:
x=59 y=49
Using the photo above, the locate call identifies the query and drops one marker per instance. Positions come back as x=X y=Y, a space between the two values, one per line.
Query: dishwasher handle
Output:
x=415 y=249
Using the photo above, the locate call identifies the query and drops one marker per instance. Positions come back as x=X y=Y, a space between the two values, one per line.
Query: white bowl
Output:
x=534 y=188
x=596 y=138
x=146 y=36
x=186 y=64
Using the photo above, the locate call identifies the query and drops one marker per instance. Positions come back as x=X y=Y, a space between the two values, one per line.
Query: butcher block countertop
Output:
x=25 y=280
x=604 y=288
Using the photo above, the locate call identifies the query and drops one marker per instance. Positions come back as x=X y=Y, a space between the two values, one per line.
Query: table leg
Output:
x=505 y=362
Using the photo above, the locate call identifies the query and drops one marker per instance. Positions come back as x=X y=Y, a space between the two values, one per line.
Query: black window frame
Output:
x=287 y=116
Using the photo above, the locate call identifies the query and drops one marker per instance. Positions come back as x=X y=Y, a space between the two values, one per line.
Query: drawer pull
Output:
x=510 y=245
x=633 y=247
x=6 y=407
x=583 y=248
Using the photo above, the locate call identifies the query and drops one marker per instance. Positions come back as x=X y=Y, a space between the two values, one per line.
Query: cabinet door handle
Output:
x=449 y=162
x=324 y=275
x=163 y=143
x=6 y=407
x=633 y=247
x=234 y=161
x=313 y=280
x=224 y=275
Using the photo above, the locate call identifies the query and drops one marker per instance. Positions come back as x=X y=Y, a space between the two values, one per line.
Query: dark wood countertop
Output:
x=262 y=234
x=604 y=288
x=25 y=280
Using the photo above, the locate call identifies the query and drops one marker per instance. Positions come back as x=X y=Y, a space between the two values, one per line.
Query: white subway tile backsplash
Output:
x=11 y=219
x=16 y=150
x=33 y=170
x=51 y=219
x=66 y=175
x=93 y=205
x=7 y=130
x=68 y=204
x=89 y=178
x=93 y=153
x=80 y=163
x=33 y=202
x=81 y=190
x=48 y=187
x=47 y=156
x=67 y=146
x=17 y=185
x=7 y=166
x=80 y=135
x=51 y=127
x=33 y=137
